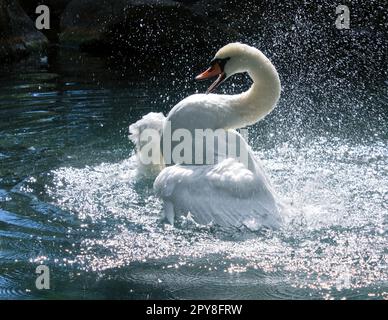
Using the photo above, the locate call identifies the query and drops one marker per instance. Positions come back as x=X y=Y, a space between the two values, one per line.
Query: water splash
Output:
x=334 y=244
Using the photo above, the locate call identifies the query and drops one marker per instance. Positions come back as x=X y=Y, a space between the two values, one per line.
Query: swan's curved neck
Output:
x=254 y=104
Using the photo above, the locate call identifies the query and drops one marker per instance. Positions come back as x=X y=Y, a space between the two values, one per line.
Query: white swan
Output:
x=227 y=192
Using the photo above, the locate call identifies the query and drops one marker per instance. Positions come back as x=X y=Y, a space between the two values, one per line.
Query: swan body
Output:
x=228 y=192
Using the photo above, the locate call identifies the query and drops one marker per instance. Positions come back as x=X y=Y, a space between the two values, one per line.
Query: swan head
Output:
x=229 y=60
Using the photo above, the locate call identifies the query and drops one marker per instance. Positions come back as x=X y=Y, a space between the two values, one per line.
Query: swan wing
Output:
x=226 y=194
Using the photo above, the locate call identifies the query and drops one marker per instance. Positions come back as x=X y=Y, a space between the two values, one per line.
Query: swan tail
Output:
x=146 y=134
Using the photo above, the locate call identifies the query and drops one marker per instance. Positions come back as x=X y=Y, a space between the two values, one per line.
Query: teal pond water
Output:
x=69 y=198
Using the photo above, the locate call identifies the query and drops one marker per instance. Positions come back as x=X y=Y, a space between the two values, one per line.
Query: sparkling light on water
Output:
x=335 y=238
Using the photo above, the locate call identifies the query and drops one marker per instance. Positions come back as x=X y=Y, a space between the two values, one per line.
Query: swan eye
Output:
x=220 y=61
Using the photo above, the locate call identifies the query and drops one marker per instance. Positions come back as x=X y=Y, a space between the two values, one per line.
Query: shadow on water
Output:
x=69 y=197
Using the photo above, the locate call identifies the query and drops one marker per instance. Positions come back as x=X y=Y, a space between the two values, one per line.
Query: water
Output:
x=69 y=198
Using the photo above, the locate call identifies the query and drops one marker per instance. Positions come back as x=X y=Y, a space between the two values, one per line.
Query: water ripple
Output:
x=332 y=246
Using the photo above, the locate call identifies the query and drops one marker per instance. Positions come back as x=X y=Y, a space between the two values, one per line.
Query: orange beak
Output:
x=214 y=70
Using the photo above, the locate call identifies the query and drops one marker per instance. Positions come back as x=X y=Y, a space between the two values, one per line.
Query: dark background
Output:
x=300 y=36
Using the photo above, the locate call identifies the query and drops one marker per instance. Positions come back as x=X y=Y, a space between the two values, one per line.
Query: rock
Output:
x=18 y=35
x=148 y=31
